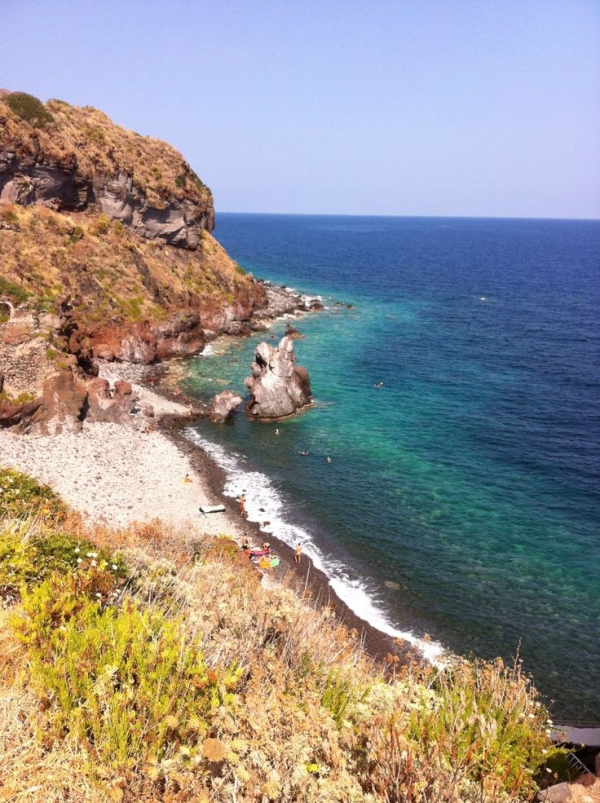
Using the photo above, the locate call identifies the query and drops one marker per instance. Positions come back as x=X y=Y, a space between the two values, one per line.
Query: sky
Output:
x=478 y=108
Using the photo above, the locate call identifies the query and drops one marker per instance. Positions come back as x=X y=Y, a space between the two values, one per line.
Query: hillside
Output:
x=106 y=251
x=144 y=665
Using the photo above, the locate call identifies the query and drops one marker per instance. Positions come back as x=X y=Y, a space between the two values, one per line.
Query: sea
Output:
x=455 y=370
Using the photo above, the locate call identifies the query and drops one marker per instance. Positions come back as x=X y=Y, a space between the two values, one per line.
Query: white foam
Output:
x=265 y=505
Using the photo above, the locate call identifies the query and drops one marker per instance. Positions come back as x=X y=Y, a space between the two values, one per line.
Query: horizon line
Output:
x=418 y=217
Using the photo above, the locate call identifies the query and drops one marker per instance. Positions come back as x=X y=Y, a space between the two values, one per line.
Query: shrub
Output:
x=28 y=555
x=21 y=495
x=101 y=226
x=29 y=108
x=8 y=213
x=475 y=731
x=16 y=294
x=129 y=683
x=76 y=234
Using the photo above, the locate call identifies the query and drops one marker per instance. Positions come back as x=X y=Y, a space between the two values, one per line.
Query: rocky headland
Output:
x=106 y=255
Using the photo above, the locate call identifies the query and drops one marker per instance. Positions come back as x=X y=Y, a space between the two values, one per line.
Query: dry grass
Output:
x=89 y=138
x=307 y=717
x=113 y=275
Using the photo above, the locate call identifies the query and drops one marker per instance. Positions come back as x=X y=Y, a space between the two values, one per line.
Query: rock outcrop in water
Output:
x=223 y=405
x=278 y=387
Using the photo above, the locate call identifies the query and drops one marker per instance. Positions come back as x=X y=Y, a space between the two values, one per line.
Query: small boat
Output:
x=212 y=508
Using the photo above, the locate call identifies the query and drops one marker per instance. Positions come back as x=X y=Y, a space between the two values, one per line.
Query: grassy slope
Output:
x=168 y=673
x=119 y=276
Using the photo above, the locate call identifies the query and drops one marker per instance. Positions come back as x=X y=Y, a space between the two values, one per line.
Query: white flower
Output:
x=77 y=549
x=79 y=560
x=114 y=567
x=93 y=563
x=531 y=716
x=98 y=594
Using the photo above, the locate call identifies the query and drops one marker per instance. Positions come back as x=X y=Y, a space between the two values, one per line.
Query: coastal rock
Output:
x=223 y=405
x=62 y=407
x=114 y=407
x=292 y=332
x=61 y=184
x=278 y=387
x=145 y=343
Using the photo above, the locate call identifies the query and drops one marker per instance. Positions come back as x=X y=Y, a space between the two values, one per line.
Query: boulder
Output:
x=62 y=407
x=223 y=405
x=559 y=793
x=278 y=387
x=113 y=407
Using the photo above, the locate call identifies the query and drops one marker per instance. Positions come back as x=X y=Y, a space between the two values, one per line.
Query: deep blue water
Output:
x=463 y=497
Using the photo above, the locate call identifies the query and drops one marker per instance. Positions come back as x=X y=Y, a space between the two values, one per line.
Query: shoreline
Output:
x=131 y=459
x=305 y=577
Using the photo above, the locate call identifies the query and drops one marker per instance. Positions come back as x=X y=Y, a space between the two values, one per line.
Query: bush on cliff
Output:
x=29 y=108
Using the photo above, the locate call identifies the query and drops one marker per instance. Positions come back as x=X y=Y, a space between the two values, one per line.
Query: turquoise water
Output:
x=462 y=498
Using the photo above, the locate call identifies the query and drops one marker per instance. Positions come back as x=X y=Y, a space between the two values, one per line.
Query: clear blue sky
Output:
x=392 y=107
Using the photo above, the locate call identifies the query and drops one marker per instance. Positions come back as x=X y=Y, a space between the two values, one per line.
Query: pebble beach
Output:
x=119 y=475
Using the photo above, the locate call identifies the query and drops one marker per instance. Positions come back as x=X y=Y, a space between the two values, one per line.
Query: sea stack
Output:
x=278 y=387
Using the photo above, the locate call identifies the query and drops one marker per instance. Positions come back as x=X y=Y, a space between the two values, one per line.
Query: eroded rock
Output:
x=223 y=405
x=278 y=387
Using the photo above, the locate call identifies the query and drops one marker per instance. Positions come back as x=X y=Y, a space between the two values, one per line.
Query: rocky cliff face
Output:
x=79 y=161
x=106 y=254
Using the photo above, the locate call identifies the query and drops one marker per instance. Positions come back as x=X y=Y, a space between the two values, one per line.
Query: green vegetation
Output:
x=16 y=294
x=29 y=108
x=21 y=496
x=129 y=682
x=169 y=674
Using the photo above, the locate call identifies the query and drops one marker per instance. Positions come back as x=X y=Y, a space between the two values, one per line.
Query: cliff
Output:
x=106 y=251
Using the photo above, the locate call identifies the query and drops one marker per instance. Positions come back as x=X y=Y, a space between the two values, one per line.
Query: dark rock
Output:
x=278 y=387
x=64 y=188
x=223 y=405
x=292 y=332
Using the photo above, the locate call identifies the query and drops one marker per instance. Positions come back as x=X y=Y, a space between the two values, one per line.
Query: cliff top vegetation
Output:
x=59 y=133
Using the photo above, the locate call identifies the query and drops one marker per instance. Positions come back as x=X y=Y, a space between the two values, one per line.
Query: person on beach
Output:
x=267 y=547
x=245 y=543
x=297 y=553
x=243 y=513
x=187 y=478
